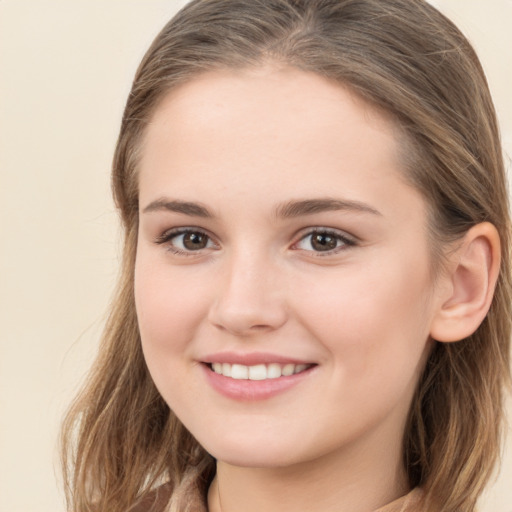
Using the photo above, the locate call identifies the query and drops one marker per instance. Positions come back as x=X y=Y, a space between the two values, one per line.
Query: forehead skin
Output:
x=277 y=101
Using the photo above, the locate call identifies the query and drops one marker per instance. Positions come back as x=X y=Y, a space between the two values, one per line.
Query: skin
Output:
x=243 y=144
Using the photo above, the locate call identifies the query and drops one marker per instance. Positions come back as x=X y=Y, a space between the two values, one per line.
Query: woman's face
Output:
x=283 y=281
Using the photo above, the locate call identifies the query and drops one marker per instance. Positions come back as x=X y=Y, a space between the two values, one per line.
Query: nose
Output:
x=250 y=297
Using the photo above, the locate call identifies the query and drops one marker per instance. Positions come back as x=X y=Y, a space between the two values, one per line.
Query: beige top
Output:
x=407 y=503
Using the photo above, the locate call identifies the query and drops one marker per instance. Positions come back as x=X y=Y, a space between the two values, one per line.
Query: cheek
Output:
x=375 y=332
x=373 y=320
x=169 y=307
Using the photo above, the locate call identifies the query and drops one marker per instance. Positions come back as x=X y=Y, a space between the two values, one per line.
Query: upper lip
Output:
x=251 y=359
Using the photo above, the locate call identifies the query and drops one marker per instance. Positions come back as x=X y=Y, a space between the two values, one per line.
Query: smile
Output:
x=258 y=371
x=263 y=376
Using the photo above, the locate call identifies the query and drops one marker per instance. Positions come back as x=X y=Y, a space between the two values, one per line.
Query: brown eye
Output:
x=186 y=241
x=194 y=241
x=323 y=242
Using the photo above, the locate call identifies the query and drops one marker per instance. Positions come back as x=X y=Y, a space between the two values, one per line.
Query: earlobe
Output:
x=470 y=283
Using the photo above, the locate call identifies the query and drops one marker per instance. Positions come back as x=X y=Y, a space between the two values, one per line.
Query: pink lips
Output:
x=251 y=359
x=251 y=390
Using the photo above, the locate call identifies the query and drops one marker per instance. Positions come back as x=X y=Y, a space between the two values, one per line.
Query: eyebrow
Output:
x=184 y=207
x=290 y=209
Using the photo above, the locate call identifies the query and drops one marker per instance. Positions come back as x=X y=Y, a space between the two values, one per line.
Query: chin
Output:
x=255 y=453
x=252 y=459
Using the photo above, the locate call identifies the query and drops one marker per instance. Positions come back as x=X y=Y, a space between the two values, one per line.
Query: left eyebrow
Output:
x=292 y=209
x=184 y=207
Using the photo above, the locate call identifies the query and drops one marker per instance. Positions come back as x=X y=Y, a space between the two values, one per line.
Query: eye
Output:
x=185 y=241
x=324 y=241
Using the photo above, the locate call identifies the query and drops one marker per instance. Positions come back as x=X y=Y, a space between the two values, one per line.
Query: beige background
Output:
x=65 y=70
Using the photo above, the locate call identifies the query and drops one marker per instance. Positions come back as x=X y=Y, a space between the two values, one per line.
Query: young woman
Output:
x=314 y=307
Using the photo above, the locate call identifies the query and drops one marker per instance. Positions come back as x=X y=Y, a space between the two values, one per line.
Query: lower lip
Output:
x=251 y=390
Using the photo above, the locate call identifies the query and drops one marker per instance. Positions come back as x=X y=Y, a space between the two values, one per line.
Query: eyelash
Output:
x=166 y=238
x=346 y=240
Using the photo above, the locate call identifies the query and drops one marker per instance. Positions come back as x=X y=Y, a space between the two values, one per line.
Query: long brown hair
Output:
x=120 y=440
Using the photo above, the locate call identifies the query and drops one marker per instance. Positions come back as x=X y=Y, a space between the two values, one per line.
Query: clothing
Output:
x=407 y=503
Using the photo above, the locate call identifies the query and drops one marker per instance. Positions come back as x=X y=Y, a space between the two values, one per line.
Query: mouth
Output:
x=255 y=376
x=259 y=372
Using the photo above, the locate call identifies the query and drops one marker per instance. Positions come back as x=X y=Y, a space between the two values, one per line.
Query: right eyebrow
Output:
x=317 y=205
x=184 y=207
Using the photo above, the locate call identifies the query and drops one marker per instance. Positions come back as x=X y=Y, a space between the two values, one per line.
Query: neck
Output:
x=360 y=481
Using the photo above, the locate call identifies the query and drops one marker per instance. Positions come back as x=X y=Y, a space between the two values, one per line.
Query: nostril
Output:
x=247 y=315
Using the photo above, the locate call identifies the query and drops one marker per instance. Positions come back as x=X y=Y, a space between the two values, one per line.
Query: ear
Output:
x=468 y=286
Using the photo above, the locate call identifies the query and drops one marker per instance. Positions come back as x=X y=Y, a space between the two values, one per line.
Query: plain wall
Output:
x=65 y=72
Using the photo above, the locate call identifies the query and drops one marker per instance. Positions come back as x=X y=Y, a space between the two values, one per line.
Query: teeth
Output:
x=259 y=371
x=239 y=371
x=226 y=369
x=273 y=371
x=288 y=370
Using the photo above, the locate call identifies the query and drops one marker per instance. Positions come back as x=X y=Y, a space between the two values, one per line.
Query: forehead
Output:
x=255 y=128
x=263 y=94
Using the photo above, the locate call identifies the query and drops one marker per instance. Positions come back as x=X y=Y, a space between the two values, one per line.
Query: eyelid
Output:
x=347 y=239
x=166 y=237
